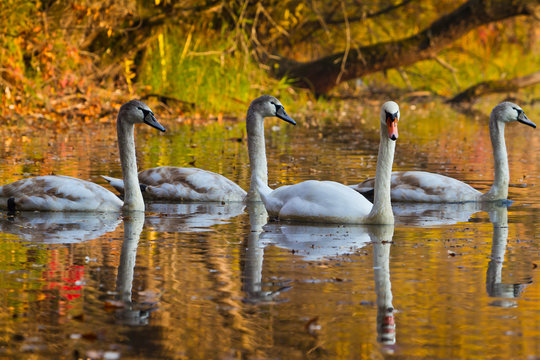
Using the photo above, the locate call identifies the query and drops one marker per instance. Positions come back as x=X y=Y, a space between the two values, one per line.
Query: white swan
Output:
x=331 y=202
x=169 y=183
x=421 y=186
x=64 y=193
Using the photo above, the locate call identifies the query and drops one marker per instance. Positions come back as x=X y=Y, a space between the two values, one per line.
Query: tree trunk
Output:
x=496 y=86
x=323 y=74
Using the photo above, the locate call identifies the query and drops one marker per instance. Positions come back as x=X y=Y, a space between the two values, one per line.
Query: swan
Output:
x=331 y=202
x=65 y=193
x=169 y=183
x=421 y=186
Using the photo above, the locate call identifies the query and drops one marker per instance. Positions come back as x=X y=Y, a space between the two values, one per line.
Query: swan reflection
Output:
x=174 y=217
x=434 y=214
x=381 y=237
x=59 y=227
x=316 y=243
x=494 y=284
x=130 y=313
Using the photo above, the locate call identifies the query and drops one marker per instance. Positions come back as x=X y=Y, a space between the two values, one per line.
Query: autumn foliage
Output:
x=62 y=59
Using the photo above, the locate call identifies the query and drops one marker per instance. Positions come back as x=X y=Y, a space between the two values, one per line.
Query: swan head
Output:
x=268 y=106
x=137 y=112
x=390 y=118
x=508 y=112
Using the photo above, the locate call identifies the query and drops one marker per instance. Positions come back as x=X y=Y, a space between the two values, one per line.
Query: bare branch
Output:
x=496 y=86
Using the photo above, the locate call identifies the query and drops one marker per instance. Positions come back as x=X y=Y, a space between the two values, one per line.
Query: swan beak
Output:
x=151 y=120
x=391 y=122
x=280 y=113
x=522 y=118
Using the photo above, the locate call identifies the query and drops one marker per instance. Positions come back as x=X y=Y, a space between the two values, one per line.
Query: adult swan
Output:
x=64 y=193
x=170 y=183
x=421 y=186
x=331 y=202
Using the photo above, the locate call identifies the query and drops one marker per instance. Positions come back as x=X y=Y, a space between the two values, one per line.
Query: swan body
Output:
x=169 y=183
x=64 y=193
x=58 y=193
x=421 y=186
x=331 y=202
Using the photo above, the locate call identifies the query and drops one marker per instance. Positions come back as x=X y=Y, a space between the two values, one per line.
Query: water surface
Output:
x=215 y=281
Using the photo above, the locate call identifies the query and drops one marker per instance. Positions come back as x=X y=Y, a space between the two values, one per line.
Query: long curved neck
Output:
x=133 y=200
x=381 y=213
x=257 y=152
x=499 y=189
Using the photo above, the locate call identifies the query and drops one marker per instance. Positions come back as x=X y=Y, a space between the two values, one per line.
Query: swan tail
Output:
x=118 y=184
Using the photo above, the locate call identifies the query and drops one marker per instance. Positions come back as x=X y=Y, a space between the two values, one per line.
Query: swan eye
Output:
x=145 y=112
x=392 y=117
x=278 y=107
x=520 y=113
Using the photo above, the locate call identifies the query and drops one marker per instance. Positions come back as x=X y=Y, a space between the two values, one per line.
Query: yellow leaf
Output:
x=109 y=32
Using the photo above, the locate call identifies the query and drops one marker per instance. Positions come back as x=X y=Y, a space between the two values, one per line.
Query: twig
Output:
x=347 y=45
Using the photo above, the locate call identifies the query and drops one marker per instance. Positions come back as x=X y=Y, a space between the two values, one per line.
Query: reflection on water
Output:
x=494 y=285
x=129 y=314
x=216 y=281
x=191 y=216
x=316 y=242
x=381 y=236
x=428 y=214
x=54 y=227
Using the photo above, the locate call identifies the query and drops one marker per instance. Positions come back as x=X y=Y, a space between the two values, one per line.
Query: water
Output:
x=214 y=281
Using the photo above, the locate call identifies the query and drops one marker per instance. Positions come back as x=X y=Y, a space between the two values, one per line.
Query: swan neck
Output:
x=499 y=189
x=133 y=199
x=257 y=152
x=381 y=213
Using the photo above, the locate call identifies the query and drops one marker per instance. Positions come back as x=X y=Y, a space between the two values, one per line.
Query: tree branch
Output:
x=320 y=75
x=496 y=86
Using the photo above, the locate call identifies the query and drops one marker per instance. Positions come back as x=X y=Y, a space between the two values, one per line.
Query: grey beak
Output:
x=522 y=118
x=280 y=113
x=152 y=121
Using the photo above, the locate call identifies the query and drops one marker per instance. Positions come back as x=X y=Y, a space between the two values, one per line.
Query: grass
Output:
x=204 y=71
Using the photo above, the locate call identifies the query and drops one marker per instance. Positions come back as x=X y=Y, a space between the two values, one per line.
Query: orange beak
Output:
x=392 y=128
